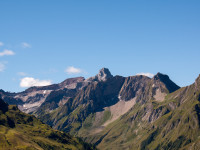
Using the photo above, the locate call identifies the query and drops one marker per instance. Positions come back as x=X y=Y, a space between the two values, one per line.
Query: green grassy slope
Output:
x=22 y=131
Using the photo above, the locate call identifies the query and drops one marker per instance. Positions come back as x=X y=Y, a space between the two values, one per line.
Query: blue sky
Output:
x=43 y=42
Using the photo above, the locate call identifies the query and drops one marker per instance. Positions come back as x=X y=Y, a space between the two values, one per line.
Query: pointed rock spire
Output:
x=104 y=74
x=170 y=85
x=160 y=76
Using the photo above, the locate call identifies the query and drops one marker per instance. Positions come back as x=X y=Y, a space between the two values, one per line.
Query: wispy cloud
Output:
x=1 y=43
x=26 y=45
x=21 y=73
x=73 y=70
x=146 y=74
x=2 y=66
x=29 y=82
x=6 y=52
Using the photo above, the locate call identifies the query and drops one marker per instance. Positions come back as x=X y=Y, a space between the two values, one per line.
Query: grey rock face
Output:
x=31 y=99
x=103 y=75
x=133 y=86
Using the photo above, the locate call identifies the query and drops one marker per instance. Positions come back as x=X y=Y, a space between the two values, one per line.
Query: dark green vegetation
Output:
x=117 y=112
x=22 y=131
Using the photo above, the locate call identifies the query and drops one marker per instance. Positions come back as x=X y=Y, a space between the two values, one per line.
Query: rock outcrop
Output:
x=103 y=75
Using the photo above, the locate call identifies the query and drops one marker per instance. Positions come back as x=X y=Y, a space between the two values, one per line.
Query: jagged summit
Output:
x=103 y=75
x=170 y=85
x=160 y=76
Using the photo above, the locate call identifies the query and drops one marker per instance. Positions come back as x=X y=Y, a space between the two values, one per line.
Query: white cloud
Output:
x=146 y=74
x=1 y=44
x=21 y=73
x=26 y=45
x=7 y=52
x=73 y=70
x=29 y=82
x=2 y=67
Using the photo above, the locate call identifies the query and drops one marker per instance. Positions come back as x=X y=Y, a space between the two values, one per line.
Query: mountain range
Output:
x=115 y=112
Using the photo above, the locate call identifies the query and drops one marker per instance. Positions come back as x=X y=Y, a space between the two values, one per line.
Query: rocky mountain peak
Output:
x=104 y=74
x=160 y=76
x=170 y=85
